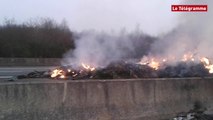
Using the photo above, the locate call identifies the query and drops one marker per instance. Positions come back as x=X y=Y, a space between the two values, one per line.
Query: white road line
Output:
x=5 y=77
x=10 y=71
x=26 y=68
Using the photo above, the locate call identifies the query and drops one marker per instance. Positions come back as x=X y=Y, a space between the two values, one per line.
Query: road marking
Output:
x=5 y=77
x=26 y=68
x=11 y=71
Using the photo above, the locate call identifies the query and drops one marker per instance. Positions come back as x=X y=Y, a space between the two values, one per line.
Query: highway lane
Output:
x=8 y=72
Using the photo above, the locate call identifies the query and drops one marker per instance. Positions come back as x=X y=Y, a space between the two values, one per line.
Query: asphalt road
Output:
x=8 y=72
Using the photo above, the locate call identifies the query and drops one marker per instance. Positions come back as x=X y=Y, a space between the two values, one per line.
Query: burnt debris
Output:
x=35 y=74
x=184 y=69
x=197 y=113
x=123 y=70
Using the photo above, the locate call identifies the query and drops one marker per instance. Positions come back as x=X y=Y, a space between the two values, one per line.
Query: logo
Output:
x=189 y=8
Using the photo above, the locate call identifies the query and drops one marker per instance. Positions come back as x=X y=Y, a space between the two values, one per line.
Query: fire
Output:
x=156 y=62
x=164 y=60
x=207 y=64
x=151 y=63
x=58 y=73
x=62 y=76
x=63 y=72
x=88 y=67
x=188 y=57
x=69 y=70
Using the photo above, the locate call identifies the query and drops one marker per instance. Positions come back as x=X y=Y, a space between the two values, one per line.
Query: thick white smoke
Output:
x=194 y=34
x=99 y=48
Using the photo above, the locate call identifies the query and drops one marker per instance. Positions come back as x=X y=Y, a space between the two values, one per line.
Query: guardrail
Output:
x=147 y=99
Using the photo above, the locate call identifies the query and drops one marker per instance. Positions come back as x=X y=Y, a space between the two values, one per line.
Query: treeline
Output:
x=43 y=38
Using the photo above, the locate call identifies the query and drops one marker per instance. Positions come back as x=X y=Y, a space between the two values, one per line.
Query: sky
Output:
x=151 y=16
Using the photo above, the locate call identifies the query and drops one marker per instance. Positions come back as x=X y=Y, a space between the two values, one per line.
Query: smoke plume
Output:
x=194 y=34
x=100 y=49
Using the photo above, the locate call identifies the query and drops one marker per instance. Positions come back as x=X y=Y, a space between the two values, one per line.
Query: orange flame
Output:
x=154 y=64
x=58 y=73
x=188 y=57
x=61 y=73
x=207 y=64
x=88 y=67
x=151 y=63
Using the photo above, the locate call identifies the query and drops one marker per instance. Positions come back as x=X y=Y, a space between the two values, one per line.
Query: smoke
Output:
x=193 y=35
x=100 y=49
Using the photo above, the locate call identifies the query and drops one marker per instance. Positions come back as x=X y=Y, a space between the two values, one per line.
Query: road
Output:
x=8 y=72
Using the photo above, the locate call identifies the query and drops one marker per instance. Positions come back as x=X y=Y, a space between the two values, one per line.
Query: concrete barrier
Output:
x=30 y=61
x=149 y=99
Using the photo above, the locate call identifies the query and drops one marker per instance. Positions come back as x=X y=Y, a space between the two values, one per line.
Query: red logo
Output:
x=189 y=8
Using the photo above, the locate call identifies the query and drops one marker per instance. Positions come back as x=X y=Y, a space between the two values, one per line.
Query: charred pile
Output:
x=118 y=70
x=123 y=70
x=35 y=74
x=184 y=69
